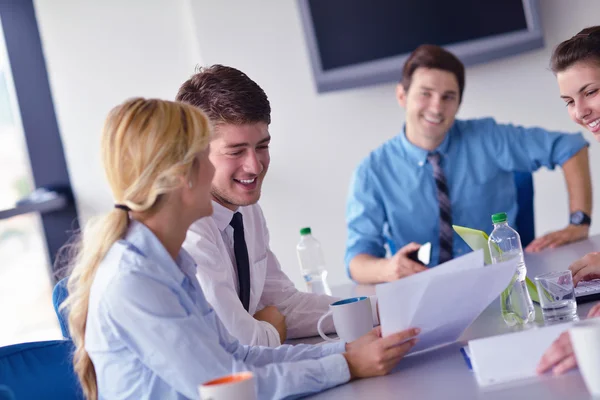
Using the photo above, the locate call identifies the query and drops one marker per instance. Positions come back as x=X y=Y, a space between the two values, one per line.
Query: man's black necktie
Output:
x=241 y=258
x=446 y=232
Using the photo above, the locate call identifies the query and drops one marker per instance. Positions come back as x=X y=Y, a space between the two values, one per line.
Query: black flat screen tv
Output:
x=354 y=43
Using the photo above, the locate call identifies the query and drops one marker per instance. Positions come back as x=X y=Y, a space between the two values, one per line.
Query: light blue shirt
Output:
x=393 y=193
x=151 y=334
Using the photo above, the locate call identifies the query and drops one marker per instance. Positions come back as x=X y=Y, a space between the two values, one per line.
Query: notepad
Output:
x=511 y=357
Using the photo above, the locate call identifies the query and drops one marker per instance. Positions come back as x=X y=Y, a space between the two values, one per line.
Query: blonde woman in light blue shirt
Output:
x=137 y=315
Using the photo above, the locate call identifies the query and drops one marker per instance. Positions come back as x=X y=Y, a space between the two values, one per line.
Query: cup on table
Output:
x=585 y=339
x=236 y=386
x=352 y=318
x=557 y=296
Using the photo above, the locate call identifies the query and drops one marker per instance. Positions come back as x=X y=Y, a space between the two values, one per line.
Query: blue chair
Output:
x=391 y=245
x=59 y=294
x=525 y=218
x=40 y=370
x=6 y=393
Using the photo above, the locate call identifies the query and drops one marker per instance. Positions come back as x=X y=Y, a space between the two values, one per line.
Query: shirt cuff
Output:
x=335 y=369
x=577 y=142
x=363 y=247
x=333 y=348
x=272 y=335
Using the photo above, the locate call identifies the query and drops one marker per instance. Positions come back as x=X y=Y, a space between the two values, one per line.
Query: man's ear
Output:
x=401 y=95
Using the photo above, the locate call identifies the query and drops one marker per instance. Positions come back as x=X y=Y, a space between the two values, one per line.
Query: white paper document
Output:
x=443 y=301
x=513 y=356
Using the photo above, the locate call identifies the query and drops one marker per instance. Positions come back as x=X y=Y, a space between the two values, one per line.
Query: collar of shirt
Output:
x=143 y=241
x=221 y=215
x=419 y=155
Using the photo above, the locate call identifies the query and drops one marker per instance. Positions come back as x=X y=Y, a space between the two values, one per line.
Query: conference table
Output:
x=443 y=374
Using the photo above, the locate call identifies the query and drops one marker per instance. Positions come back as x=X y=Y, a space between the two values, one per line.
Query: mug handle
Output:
x=323 y=335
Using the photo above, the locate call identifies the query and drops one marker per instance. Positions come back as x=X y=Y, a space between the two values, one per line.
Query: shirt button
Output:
x=421 y=163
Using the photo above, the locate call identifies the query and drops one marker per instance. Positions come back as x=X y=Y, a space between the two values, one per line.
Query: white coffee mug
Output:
x=585 y=338
x=352 y=318
x=236 y=386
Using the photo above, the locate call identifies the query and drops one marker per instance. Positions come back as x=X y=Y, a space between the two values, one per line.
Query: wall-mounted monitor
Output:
x=355 y=43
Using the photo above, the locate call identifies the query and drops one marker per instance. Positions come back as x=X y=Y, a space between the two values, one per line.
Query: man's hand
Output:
x=272 y=315
x=571 y=233
x=375 y=356
x=400 y=266
x=586 y=268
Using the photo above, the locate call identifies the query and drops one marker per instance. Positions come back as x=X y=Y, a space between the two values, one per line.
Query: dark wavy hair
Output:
x=226 y=95
x=585 y=46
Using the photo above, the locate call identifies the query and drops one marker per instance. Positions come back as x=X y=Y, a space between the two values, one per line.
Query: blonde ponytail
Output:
x=147 y=146
x=99 y=235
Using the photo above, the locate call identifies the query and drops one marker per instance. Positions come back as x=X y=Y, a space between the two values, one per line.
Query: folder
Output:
x=478 y=240
x=512 y=357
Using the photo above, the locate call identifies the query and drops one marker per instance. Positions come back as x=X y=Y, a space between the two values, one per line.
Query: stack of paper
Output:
x=513 y=356
x=442 y=301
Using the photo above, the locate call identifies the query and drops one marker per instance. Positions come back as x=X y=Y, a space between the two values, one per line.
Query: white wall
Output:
x=98 y=54
x=144 y=48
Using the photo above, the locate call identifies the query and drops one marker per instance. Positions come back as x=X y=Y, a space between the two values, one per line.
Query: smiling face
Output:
x=431 y=104
x=580 y=89
x=240 y=154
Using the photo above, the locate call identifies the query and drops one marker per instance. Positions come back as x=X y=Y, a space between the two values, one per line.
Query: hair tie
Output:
x=581 y=36
x=122 y=207
x=591 y=33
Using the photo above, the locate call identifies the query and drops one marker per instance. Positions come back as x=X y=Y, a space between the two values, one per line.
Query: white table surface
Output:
x=443 y=374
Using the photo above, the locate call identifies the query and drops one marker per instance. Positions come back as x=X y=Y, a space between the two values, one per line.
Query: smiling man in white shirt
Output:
x=238 y=272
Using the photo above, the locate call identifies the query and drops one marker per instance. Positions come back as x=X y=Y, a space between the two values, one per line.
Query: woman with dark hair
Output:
x=576 y=64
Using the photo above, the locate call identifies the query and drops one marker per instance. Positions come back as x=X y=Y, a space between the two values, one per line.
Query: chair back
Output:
x=6 y=393
x=40 y=370
x=525 y=217
x=59 y=295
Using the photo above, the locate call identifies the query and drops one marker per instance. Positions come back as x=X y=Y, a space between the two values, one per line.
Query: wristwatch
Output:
x=580 y=218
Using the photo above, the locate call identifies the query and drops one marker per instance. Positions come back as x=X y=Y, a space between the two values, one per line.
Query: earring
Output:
x=190 y=184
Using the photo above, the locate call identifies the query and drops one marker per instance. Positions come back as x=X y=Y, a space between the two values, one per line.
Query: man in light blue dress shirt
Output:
x=393 y=194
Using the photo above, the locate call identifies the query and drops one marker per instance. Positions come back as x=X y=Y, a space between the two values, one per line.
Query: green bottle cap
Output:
x=499 y=217
x=305 y=231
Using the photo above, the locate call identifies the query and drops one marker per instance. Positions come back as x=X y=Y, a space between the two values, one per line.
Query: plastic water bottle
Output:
x=505 y=244
x=312 y=263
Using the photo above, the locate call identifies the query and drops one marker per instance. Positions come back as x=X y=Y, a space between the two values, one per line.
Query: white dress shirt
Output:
x=210 y=243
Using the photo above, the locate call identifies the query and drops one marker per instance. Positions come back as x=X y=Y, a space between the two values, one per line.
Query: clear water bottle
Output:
x=312 y=263
x=505 y=244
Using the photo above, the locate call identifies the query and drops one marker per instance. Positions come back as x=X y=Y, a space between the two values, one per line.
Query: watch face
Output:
x=577 y=218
